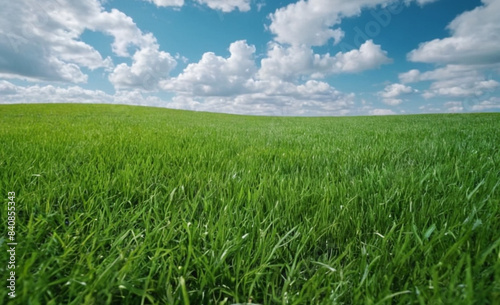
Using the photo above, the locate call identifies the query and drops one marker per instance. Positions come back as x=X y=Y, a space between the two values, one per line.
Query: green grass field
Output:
x=137 y=205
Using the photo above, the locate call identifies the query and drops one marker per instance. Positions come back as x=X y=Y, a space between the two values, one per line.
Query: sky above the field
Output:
x=262 y=57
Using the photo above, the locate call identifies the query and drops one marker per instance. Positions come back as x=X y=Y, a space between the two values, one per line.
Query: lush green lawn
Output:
x=136 y=205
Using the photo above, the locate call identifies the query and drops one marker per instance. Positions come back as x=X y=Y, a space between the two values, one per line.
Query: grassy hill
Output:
x=137 y=205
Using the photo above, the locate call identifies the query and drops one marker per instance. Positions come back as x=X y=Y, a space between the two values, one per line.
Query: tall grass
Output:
x=136 y=205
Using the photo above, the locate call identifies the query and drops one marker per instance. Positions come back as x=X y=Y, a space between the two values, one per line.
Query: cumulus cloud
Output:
x=123 y=29
x=12 y=94
x=7 y=88
x=222 y=5
x=149 y=67
x=430 y=108
x=458 y=88
x=40 y=40
x=392 y=93
x=369 y=56
x=227 y=5
x=311 y=99
x=215 y=75
x=50 y=94
x=464 y=59
x=315 y=22
x=474 y=39
x=232 y=85
x=306 y=22
x=411 y=76
x=165 y=3
x=491 y=104
x=453 y=81
x=290 y=62
x=454 y=107
x=379 y=111
x=420 y=2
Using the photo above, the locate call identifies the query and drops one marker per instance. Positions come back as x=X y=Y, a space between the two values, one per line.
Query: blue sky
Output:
x=261 y=57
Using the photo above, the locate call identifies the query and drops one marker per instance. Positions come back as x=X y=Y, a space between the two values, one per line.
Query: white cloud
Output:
x=395 y=90
x=166 y=3
x=474 y=39
x=231 y=85
x=149 y=67
x=391 y=93
x=411 y=76
x=217 y=76
x=430 y=108
x=293 y=61
x=420 y=2
x=50 y=94
x=315 y=22
x=7 y=88
x=381 y=112
x=469 y=58
x=306 y=22
x=392 y=101
x=12 y=94
x=453 y=81
x=457 y=88
x=491 y=104
x=222 y=5
x=369 y=56
x=123 y=29
x=454 y=106
x=227 y=5
x=312 y=99
x=40 y=40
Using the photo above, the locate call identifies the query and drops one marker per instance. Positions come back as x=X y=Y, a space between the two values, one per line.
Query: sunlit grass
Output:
x=136 y=205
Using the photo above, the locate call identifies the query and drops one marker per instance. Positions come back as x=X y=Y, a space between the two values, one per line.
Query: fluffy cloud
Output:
x=123 y=29
x=315 y=22
x=7 y=88
x=392 y=93
x=50 y=94
x=475 y=105
x=369 y=56
x=290 y=62
x=222 y=5
x=453 y=81
x=465 y=58
x=430 y=108
x=232 y=85
x=306 y=22
x=411 y=76
x=148 y=68
x=420 y=2
x=491 y=104
x=381 y=112
x=474 y=39
x=12 y=94
x=458 y=88
x=312 y=98
x=454 y=107
x=217 y=76
x=40 y=40
x=167 y=2
x=227 y=5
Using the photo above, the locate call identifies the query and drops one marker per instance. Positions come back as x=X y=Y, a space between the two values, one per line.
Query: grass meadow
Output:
x=137 y=205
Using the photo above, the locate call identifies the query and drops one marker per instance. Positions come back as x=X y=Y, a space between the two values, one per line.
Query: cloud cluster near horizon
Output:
x=44 y=58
